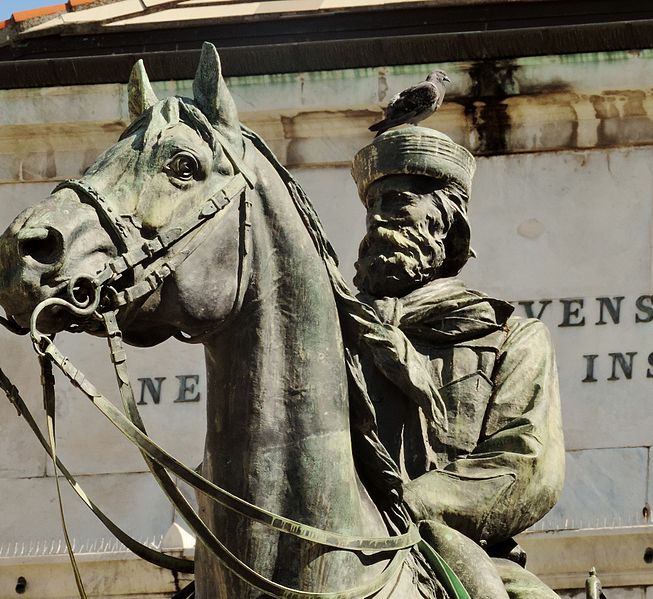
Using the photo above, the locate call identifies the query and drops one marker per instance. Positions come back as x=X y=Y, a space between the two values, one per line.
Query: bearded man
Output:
x=493 y=463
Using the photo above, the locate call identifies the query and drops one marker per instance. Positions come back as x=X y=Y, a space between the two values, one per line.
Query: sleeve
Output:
x=514 y=476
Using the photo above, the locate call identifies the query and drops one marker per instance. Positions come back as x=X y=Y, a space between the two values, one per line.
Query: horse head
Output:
x=177 y=165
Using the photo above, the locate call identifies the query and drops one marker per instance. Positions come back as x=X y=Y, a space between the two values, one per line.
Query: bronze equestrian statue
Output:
x=189 y=227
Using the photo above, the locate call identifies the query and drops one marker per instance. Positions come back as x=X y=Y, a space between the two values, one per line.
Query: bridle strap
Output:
x=242 y=277
x=237 y=162
x=47 y=382
x=134 y=251
x=111 y=222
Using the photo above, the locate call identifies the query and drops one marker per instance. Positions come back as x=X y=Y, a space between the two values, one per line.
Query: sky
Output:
x=7 y=7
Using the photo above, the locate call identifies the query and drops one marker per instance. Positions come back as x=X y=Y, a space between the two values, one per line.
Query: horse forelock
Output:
x=171 y=111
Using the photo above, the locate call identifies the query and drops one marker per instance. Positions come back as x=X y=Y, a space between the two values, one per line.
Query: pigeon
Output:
x=415 y=103
x=593 y=589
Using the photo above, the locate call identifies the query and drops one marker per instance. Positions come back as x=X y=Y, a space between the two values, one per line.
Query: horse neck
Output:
x=278 y=415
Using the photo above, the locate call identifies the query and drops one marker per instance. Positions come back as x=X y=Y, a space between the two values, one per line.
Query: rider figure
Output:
x=495 y=465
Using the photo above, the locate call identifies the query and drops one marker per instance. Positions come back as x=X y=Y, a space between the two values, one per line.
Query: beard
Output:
x=394 y=261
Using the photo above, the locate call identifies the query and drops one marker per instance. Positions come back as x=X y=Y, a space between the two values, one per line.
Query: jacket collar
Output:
x=443 y=311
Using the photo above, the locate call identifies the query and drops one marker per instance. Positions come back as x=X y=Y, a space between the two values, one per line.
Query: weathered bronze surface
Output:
x=430 y=404
x=494 y=465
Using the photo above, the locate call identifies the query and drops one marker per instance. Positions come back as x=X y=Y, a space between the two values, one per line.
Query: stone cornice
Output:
x=330 y=136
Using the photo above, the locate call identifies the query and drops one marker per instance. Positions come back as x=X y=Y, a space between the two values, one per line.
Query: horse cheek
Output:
x=209 y=280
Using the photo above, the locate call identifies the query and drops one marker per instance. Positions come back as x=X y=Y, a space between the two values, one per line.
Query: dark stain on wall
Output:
x=492 y=83
x=486 y=109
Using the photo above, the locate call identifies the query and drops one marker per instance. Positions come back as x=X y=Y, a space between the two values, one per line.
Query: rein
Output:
x=99 y=297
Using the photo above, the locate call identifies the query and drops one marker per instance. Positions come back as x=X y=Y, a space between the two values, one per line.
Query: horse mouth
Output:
x=41 y=251
x=53 y=320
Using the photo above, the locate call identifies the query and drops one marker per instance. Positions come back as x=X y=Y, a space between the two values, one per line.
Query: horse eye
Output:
x=183 y=167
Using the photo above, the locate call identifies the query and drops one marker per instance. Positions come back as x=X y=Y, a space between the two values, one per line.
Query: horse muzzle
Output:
x=46 y=247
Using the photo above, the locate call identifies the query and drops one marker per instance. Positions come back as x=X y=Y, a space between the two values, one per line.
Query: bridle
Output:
x=135 y=252
x=100 y=297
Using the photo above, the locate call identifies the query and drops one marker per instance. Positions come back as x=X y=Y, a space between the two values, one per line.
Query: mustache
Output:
x=401 y=238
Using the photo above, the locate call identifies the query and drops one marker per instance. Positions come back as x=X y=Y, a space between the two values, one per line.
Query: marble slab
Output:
x=603 y=488
x=31 y=514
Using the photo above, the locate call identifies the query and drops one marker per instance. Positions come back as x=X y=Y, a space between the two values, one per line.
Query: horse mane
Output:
x=376 y=467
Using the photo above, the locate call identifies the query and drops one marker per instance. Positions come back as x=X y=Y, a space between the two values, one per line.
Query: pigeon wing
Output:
x=410 y=106
x=413 y=101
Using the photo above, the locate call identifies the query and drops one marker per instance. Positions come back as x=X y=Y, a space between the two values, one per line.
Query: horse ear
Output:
x=140 y=93
x=213 y=98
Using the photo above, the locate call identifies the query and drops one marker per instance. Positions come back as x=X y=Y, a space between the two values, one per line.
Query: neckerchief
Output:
x=443 y=312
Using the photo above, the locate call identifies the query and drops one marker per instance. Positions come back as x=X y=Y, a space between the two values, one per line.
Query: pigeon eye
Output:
x=183 y=166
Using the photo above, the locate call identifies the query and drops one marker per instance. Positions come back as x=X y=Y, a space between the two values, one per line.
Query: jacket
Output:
x=498 y=465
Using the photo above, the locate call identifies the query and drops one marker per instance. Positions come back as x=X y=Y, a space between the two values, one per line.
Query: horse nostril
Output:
x=43 y=244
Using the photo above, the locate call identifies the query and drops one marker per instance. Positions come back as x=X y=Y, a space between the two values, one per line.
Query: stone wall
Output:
x=562 y=224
